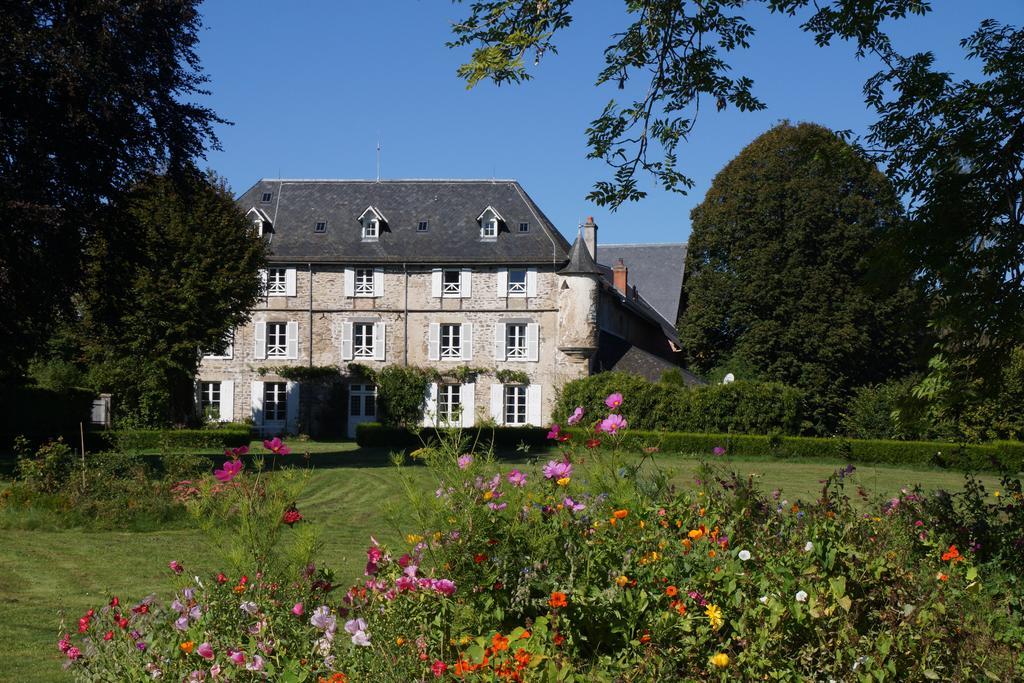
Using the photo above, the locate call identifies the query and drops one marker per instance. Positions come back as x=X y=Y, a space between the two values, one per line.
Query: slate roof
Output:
x=656 y=270
x=617 y=354
x=450 y=208
x=580 y=260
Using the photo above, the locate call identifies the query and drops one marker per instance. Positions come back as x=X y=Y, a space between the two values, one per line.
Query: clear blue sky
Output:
x=311 y=85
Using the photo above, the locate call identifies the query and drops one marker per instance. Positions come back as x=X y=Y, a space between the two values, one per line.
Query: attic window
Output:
x=371 y=229
x=489 y=228
x=524 y=227
x=490 y=223
x=265 y=197
x=373 y=222
x=321 y=226
x=422 y=227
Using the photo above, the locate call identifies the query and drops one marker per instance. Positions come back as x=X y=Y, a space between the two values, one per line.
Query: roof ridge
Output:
x=642 y=244
x=388 y=180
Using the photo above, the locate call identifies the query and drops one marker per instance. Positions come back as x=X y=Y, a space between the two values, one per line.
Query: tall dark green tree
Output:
x=779 y=273
x=176 y=268
x=94 y=94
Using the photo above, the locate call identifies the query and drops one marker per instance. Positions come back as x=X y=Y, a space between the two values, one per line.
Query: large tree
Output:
x=779 y=273
x=176 y=269
x=94 y=94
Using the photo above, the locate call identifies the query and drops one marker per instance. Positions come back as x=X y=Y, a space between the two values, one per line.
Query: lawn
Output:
x=352 y=493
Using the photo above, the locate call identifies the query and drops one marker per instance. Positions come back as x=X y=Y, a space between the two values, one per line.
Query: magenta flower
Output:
x=236 y=453
x=230 y=471
x=557 y=469
x=276 y=446
x=576 y=416
x=572 y=505
x=237 y=657
x=517 y=478
x=298 y=609
x=175 y=566
x=465 y=460
x=613 y=401
x=718 y=450
x=613 y=423
x=444 y=586
x=205 y=651
x=554 y=432
x=74 y=653
x=256 y=664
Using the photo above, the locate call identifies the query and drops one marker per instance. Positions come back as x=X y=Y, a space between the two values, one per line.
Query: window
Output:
x=362 y=340
x=370 y=229
x=275 y=401
x=209 y=400
x=321 y=226
x=517 y=281
x=524 y=227
x=362 y=400
x=277 y=281
x=515 y=341
x=489 y=229
x=449 y=403
x=277 y=340
x=515 y=405
x=451 y=283
x=364 y=282
x=422 y=227
x=451 y=342
x=265 y=198
x=257 y=226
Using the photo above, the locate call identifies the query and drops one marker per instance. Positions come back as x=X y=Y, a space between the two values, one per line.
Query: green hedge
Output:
x=866 y=451
x=222 y=436
x=376 y=435
x=42 y=414
x=739 y=407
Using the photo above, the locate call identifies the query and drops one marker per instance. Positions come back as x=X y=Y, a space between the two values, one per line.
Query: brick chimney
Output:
x=620 y=277
x=590 y=236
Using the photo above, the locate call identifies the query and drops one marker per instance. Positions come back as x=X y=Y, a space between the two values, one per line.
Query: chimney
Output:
x=620 y=277
x=590 y=237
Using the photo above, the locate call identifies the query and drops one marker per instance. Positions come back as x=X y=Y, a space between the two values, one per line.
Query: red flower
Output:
x=108 y=635
x=123 y=622
x=479 y=557
x=114 y=602
x=593 y=443
x=559 y=639
x=141 y=609
x=439 y=668
x=221 y=578
x=558 y=600
x=951 y=555
x=291 y=516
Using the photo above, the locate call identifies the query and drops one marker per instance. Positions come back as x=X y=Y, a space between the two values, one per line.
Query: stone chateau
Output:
x=440 y=274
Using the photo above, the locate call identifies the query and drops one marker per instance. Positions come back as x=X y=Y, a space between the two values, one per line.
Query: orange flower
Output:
x=187 y=647
x=525 y=635
x=559 y=639
x=499 y=642
x=687 y=544
x=671 y=591
x=522 y=657
x=620 y=514
x=558 y=600
x=645 y=638
x=951 y=555
x=942 y=577
x=696 y=534
x=335 y=678
x=679 y=607
x=711 y=553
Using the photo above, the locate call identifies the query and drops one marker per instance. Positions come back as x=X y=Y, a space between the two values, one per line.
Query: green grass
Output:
x=45 y=574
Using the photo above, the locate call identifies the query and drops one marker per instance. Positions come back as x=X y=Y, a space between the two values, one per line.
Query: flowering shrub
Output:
x=581 y=565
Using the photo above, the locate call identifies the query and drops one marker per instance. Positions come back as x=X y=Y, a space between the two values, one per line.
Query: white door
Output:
x=362 y=406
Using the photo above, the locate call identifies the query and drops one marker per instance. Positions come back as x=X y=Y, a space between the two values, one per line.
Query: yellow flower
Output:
x=464 y=640
x=721 y=660
x=622 y=581
x=996 y=494
x=437 y=536
x=413 y=538
x=488 y=495
x=714 y=615
x=641 y=524
x=564 y=481
x=399 y=640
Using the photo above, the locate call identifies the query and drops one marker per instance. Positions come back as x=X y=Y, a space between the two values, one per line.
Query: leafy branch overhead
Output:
x=668 y=63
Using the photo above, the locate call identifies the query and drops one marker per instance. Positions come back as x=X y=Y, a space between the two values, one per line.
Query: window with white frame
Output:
x=515 y=341
x=364 y=282
x=277 y=281
x=451 y=282
x=517 y=281
x=362 y=340
x=275 y=401
x=449 y=403
x=489 y=228
x=209 y=400
x=277 y=340
x=371 y=229
x=515 y=404
x=362 y=400
x=451 y=342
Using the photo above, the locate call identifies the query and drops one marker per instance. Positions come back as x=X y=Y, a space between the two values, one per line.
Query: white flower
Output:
x=744 y=555
x=801 y=596
x=763 y=599
x=808 y=547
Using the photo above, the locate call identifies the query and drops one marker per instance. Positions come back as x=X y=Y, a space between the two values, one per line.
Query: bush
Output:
x=739 y=407
x=228 y=435
x=41 y=414
x=376 y=435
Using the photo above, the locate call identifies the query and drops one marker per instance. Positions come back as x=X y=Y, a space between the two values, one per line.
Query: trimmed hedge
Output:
x=376 y=435
x=867 y=451
x=226 y=436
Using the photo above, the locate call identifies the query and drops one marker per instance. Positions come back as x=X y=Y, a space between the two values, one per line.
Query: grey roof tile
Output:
x=656 y=270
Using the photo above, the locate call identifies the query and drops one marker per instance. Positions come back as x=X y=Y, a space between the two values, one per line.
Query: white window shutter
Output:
x=229 y=350
x=263 y=281
x=227 y=401
x=378 y=341
x=197 y=396
x=467 y=341
x=430 y=406
x=434 y=342
x=256 y=398
x=378 y=282
x=533 y=405
x=350 y=282
x=259 y=351
x=502 y=283
x=533 y=342
x=531 y=282
x=466 y=285
x=498 y=403
x=346 y=341
x=289 y=282
x=499 y=341
x=468 y=404
x=435 y=283
x=292 y=339
x=292 y=410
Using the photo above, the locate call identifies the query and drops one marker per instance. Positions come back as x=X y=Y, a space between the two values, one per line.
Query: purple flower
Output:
x=465 y=460
x=613 y=423
x=576 y=416
x=517 y=478
x=613 y=401
x=572 y=505
x=322 y=619
x=718 y=450
x=554 y=432
x=181 y=623
x=230 y=471
x=353 y=625
x=497 y=506
x=557 y=469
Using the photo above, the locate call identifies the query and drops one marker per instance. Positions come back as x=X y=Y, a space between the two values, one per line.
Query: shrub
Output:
x=217 y=435
x=376 y=435
x=42 y=414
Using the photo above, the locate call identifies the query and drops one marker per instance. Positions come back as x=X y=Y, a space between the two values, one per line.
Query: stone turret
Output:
x=578 y=287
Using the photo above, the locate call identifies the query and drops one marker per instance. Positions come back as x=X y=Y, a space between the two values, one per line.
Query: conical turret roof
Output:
x=580 y=260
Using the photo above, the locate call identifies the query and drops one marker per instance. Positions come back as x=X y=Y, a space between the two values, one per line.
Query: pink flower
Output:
x=557 y=469
x=444 y=586
x=517 y=478
x=276 y=446
x=230 y=471
x=74 y=653
x=175 y=566
x=257 y=662
x=572 y=505
x=555 y=434
x=236 y=453
x=718 y=450
x=613 y=401
x=438 y=668
x=65 y=643
x=205 y=651
x=237 y=657
x=298 y=609
x=465 y=460
x=576 y=416
x=613 y=423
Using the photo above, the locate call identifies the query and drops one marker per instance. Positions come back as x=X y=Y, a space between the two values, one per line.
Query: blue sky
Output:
x=312 y=85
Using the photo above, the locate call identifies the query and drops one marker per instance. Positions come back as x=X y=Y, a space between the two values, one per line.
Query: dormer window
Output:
x=260 y=221
x=265 y=198
x=373 y=223
x=490 y=223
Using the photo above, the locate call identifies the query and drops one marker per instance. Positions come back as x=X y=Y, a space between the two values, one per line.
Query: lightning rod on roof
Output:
x=378 y=158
